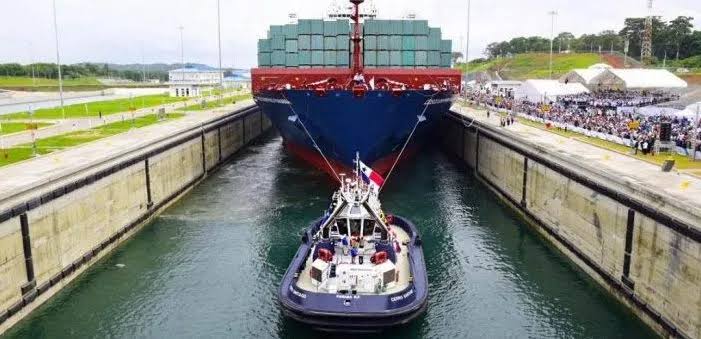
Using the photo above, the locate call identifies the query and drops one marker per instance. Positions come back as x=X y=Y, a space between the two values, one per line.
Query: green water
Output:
x=210 y=265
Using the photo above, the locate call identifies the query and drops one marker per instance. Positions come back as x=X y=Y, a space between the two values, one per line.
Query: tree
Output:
x=678 y=29
x=564 y=38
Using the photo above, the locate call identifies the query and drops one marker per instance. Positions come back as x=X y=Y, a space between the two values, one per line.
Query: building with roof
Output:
x=503 y=87
x=238 y=80
x=637 y=79
x=547 y=90
x=189 y=81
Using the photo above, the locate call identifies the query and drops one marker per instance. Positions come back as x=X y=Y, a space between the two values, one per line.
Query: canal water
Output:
x=211 y=264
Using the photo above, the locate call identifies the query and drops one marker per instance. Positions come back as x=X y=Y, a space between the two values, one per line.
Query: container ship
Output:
x=352 y=84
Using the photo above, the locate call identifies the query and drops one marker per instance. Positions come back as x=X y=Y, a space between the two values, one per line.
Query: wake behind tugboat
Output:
x=357 y=270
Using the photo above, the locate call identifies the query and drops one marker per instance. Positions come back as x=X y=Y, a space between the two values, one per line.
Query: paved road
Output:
x=72 y=125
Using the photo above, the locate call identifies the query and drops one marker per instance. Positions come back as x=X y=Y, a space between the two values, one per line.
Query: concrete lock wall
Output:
x=58 y=230
x=648 y=260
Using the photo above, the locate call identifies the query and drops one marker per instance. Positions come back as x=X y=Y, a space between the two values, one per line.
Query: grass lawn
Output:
x=106 y=107
x=534 y=65
x=59 y=142
x=14 y=127
x=27 y=81
x=215 y=103
x=681 y=162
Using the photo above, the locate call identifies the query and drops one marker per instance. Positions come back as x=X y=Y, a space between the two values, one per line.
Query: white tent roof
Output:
x=537 y=90
x=586 y=75
x=639 y=78
x=690 y=111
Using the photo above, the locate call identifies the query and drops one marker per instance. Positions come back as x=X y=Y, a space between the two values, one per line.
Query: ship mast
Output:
x=357 y=65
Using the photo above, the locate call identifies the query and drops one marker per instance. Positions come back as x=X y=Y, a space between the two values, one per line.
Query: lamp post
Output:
x=553 y=14
x=221 y=75
x=58 y=63
x=467 y=46
x=182 y=60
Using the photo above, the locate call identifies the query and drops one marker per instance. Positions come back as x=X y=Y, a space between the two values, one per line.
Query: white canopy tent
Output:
x=638 y=78
x=547 y=90
x=691 y=111
x=582 y=76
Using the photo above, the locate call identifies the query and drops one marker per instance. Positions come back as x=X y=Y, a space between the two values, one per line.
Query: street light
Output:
x=58 y=62
x=182 y=58
x=467 y=50
x=221 y=75
x=553 y=14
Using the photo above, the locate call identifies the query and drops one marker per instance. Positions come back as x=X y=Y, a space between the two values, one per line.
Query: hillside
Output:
x=534 y=65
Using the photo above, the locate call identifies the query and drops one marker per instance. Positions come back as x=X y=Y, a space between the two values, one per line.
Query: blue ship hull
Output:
x=376 y=125
x=356 y=313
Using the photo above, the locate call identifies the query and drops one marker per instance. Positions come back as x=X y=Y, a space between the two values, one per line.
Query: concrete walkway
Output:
x=78 y=124
x=683 y=188
x=20 y=177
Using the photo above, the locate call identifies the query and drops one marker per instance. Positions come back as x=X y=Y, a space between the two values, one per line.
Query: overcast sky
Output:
x=132 y=31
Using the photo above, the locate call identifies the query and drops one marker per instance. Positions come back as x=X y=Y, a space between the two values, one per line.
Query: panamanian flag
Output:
x=371 y=177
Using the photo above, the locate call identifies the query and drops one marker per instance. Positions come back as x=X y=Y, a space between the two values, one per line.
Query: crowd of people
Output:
x=599 y=112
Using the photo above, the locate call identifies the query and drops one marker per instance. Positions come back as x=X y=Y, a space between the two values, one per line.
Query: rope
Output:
x=418 y=121
x=299 y=118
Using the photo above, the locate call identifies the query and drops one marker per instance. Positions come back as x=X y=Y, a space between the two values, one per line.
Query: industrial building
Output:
x=189 y=81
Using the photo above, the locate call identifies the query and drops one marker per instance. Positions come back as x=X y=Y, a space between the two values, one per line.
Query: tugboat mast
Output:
x=357 y=64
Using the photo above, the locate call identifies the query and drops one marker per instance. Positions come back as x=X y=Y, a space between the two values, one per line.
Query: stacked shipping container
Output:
x=387 y=43
x=307 y=44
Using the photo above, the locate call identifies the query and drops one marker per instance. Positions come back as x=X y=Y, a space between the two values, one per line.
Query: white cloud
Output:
x=119 y=30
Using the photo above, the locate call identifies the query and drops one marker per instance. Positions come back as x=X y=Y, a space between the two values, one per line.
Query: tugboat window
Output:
x=355 y=226
x=342 y=226
x=368 y=227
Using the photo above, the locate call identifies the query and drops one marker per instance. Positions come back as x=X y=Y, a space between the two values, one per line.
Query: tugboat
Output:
x=357 y=270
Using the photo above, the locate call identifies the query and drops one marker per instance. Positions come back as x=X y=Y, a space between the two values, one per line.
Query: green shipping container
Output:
x=343 y=43
x=370 y=58
x=407 y=27
x=383 y=58
x=278 y=42
x=395 y=42
x=421 y=58
x=330 y=43
x=291 y=60
x=343 y=58
x=445 y=60
x=434 y=58
x=305 y=58
x=291 y=46
x=330 y=58
x=446 y=46
x=422 y=43
x=291 y=31
x=317 y=27
x=434 y=43
x=277 y=58
x=370 y=43
x=264 y=59
x=317 y=42
x=384 y=27
x=304 y=43
x=408 y=58
x=408 y=43
x=304 y=27
x=369 y=27
x=342 y=27
x=317 y=58
x=434 y=32
x=330 y=28
x=395 y=58
x=397 y=28
x=420 y=27
x=275 y=30
x=383 y=42
x=264 y=46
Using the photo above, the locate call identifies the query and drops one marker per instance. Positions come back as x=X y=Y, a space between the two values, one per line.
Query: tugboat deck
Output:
x=402 y=265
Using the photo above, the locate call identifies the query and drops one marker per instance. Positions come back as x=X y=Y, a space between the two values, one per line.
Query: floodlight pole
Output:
x=694 y=136
x=58 y=63
x=552 y=38
x=182 y=56
x=221 y=74
x=467 y=48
